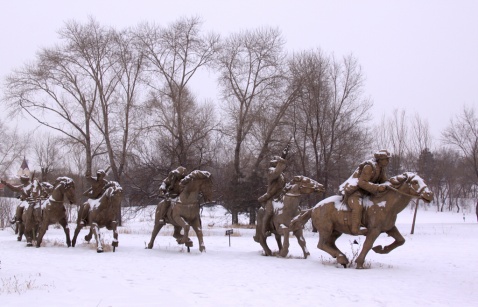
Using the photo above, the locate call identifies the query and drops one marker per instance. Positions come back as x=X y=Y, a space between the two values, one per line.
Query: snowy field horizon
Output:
x=435 y=267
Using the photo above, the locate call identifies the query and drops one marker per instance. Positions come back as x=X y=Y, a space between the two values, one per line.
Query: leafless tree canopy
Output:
x=125 y=98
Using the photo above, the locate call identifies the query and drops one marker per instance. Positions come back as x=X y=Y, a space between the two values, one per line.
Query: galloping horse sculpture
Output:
x=30 y=220
x=184 y=210
x=53 y=210
x=284 y=211
x=101 y=212
x=332 y=219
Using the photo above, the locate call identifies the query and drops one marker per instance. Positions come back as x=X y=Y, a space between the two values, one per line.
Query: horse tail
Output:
x=299 y=221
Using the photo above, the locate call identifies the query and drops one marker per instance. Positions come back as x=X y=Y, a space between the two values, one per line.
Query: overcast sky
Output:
x=420 y=56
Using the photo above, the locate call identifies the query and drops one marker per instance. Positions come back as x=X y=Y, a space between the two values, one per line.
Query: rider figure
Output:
x=97 y=189
x=25 y=190
x=98 y=184
x=275 y=184
x=170 y=188
x=367 y=179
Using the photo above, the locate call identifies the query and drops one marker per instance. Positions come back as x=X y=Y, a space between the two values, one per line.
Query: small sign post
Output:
x=229 y=233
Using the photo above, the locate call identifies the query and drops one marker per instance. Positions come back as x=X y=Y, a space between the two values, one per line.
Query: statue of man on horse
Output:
x=170 y=189
x=275 y=183
x=367 y=179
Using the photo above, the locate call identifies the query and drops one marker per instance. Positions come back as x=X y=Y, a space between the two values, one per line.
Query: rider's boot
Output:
x=266 y=221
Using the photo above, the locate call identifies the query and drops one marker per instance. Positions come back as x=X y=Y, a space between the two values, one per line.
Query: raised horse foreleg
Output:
x=399 y=240
x=372 y=235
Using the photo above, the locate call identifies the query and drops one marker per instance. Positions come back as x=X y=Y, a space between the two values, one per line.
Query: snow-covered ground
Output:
x=436 y=267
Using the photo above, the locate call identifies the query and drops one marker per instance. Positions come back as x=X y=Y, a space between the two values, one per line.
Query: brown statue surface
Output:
x=25 y=220
x=183 y=212
x=283 y=211
x=99 y=213
x=366 y=180
x=53 y=209
x=332 y=218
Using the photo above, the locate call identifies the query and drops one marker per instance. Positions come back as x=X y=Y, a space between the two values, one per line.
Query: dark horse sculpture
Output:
x=332 y=218
x=184 y=210
x=283 y=212
x=53 y=209
x=101 y=212
x=28 y=221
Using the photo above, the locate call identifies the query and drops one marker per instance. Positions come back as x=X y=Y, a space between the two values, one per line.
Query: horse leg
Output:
x=259 y=236
x=77 y=231
x=285 y=248
x=301 y=240
x=327 y=243
x=115 y=242
x=399 y=240
x=21 y=230
x=182 y=223
x=42 y=230
x=198 y=230
x=89 y=235
x=372 y=235
x=96 y=231
x=66 y=229
x=156 y=229
x=177 y=232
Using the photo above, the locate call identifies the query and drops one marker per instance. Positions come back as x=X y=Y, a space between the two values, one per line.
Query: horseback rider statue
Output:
x=367 y=179
x=98 y=185
x=27 y=193
x=275 y=183
x=170 y=189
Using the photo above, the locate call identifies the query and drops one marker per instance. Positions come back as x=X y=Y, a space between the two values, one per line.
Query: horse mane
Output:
x=197 y=174
x=66 y=180
x=398 y=180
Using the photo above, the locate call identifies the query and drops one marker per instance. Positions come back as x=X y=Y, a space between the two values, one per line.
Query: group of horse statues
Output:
x=331 y=217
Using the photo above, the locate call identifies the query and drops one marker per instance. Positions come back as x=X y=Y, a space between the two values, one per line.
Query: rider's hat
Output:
x=101 y=172
x=381 y=154
x=181 y=170
x=24 y=178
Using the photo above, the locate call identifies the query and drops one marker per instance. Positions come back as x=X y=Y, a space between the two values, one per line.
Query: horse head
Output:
x=67 y=187
x=303 y=185
x=199 y=182
x=415 y=184
x=113 y=191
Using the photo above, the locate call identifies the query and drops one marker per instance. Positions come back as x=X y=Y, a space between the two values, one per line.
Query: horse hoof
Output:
x=19 y=239
x=29 y=245
x=99 y=250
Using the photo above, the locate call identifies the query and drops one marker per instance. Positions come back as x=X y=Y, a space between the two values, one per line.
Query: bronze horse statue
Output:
x=284 y=211
x=101 y=212
x=331 y=217
x=53 y=210
x=184 y=210
x=30 y=220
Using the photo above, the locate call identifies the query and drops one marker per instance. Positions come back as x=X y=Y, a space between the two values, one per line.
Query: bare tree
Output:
x=12 y=148
x=329 y=116
x=47 y=153
x=252 y=79
x=462 y=134
x=174 y=54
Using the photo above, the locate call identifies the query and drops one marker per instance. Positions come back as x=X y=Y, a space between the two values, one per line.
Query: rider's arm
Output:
x=364 y=181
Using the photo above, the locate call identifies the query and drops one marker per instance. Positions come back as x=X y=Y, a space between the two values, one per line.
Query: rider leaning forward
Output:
x=170 y=188
x=367 y=179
